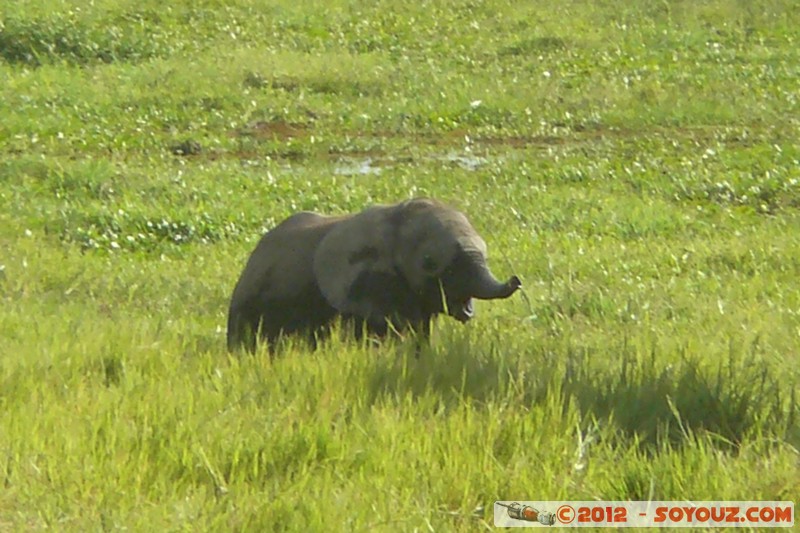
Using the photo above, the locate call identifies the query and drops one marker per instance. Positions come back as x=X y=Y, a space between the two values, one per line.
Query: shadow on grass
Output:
x=736 y=397
x=640 y=394
x=456 y=370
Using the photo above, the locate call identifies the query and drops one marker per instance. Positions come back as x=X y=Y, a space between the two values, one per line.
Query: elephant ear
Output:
x=354 y=266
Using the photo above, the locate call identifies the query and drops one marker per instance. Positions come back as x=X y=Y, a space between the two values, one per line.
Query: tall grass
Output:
x=636 y=165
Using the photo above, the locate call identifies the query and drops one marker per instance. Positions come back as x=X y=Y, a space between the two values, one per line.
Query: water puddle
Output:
x=350 y=166
x=469 y=162
x=353 y=167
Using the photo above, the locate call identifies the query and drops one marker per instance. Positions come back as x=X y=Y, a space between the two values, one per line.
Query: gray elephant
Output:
x=390 y=266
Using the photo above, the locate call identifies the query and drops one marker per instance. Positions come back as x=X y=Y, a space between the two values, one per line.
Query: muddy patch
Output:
x=187 y=147
x=272 y=130
x=534 y=46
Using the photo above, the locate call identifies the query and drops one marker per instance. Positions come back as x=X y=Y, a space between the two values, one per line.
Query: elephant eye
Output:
x=428 y=264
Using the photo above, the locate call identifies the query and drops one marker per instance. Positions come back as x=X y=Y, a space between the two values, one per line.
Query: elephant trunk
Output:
x=485 y=286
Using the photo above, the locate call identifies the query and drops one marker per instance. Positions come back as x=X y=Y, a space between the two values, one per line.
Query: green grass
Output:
x=636 y=163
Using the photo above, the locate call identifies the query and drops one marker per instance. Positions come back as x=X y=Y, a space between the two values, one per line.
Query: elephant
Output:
x=389 y=267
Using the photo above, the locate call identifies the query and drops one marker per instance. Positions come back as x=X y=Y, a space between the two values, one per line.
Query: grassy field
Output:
x=636 y=163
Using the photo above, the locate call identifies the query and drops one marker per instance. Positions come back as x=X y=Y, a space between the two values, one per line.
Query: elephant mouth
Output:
x=464 y=311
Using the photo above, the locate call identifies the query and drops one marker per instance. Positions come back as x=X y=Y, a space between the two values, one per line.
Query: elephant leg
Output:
x=423 y=334
x=317 y=335
x=242 y=330
x=362 y=328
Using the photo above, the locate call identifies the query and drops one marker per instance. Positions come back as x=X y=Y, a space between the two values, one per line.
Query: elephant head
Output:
x=406 y=263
